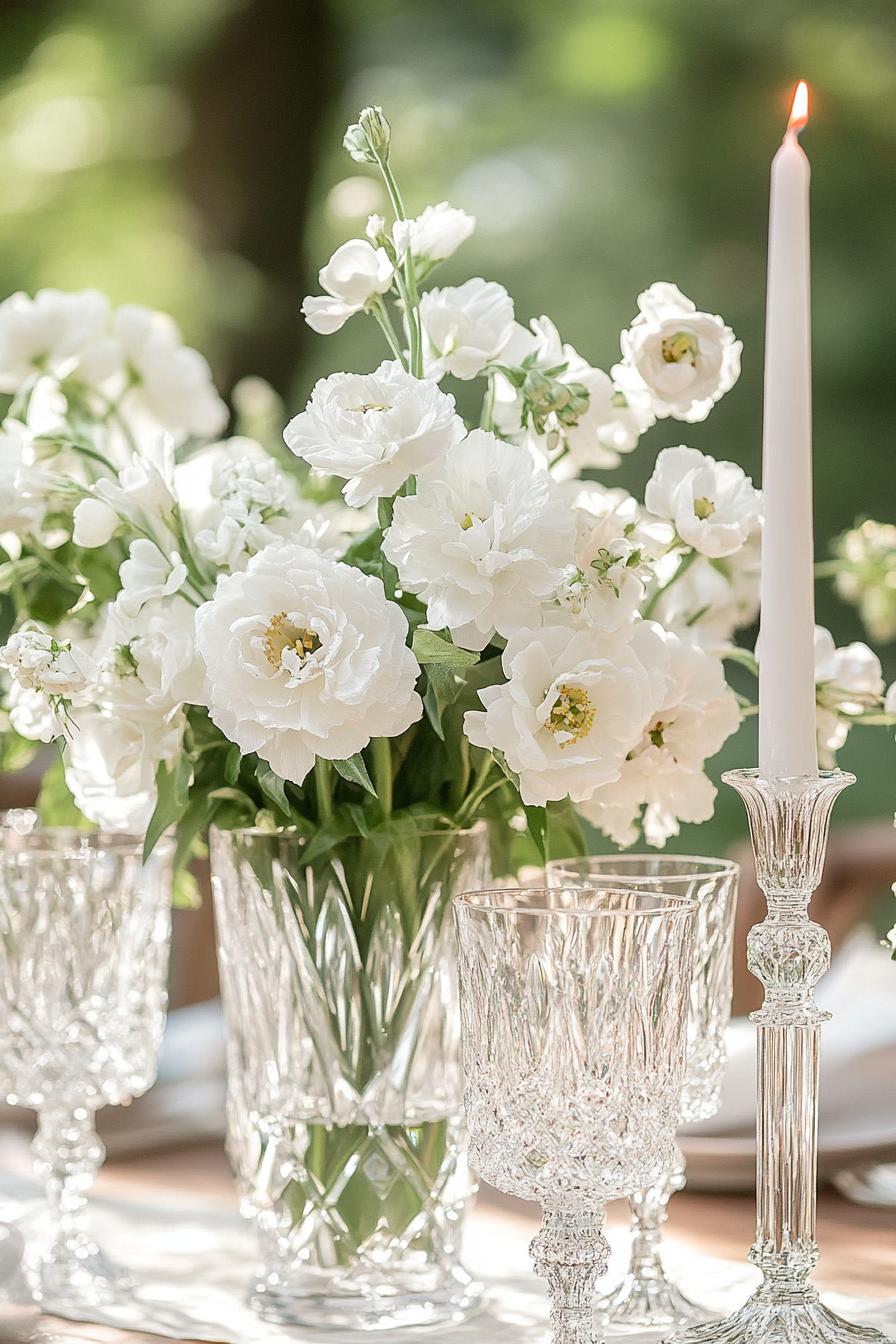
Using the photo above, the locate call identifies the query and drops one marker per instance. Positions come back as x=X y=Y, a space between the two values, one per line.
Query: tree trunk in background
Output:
x=259 y=92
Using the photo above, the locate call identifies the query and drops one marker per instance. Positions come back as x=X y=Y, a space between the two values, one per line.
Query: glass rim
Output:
x=293 y=832
x=477 y=901
x=695 y=865
x=78 y=841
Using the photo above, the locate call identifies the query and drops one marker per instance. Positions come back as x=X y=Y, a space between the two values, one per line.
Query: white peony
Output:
x=374 y=430
x=713 y=505
x=148 y=573
x=111 y=762
x=664 y=774
x=848 y=682
x=48 y=334
x=435 y=234
x=305 y=657
x=574 y=705
x=676 y=361
x=484 y=540
x=465 y=328
x=606 y=426
x=355 y=274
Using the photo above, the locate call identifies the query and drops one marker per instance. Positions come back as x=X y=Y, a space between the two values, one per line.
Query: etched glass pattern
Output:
x=84 y=935
x=646 y=1298
x=789 y=954
x=345 y=1092
x=574 y=1012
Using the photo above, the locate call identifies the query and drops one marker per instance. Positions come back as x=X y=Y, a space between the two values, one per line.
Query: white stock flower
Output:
x=435 y=234
x=848 y=682
x=464 y=328
x=111 y=762
x=484 y=540
x=21 y=509
x=39 y=661
x=604 y=429
x=305 y=657
x=675 y=360
x=574 y=704
x=355 y=274
x=48 y=334
x=664 y=772
x=606 y=585
x=149 y=661
x=94 y=523
x=148 y=573
x=713 y=505
x=31 y=714
x=374 y=430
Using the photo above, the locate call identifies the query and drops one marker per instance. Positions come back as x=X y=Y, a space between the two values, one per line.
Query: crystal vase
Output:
x=789 y=953
x=345 y=1116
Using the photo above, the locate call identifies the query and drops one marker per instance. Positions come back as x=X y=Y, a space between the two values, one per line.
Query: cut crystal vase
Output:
x=345 y=1095
x=646 y=1298
x=574 y=1011
x=84 y=936
x=789 y=954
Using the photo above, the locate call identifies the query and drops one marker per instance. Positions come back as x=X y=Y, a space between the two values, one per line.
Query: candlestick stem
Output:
x=789 y=953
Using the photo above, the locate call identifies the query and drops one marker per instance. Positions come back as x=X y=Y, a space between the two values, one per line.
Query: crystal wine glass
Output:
x=84 y=935
x=647 y=1299
x=574 y=1011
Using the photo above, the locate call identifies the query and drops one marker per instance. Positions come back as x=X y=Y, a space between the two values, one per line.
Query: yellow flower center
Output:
x=572 y=715
x=369 y=406
x=680 y=347
x=704 y=508
x=468 y=520
x=282 y=634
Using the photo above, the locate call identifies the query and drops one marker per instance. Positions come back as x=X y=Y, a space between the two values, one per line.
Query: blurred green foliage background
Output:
x=187 y=154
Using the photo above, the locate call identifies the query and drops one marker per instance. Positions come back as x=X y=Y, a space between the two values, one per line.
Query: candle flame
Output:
x=799 y=111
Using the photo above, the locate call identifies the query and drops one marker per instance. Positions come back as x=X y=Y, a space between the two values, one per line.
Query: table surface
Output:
x=858 y=1245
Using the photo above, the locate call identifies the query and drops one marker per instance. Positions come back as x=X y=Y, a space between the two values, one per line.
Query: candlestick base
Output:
x=765 y=1319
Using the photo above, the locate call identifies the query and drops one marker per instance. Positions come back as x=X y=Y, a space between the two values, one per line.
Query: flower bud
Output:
x=368 y=139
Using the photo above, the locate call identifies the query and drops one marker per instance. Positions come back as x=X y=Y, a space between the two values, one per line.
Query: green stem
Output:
x=487 y=416
x=664 y=588
x=382 y=773
x=410 y=295
x=828 y=569
x=323 y=790
x=380 y=313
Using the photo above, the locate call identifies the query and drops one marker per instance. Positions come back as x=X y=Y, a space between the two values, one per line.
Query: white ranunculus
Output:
x=674 y=359
x=574 y=704
x=710 y=599
x=465 y=328
x=94 y=523
x=664 y=772
x=148 y=573
x=48 y=333
x=607 y=426
x=713 y=505
x=483 y=542
x=374 y=430
x=111 y=762
x=848 y=682
x=40 y=661
x=434 y=235
x=354 y=275
x=305 y=657
x=606 y=585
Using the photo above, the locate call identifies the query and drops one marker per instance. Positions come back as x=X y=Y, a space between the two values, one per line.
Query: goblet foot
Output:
x=61 y=1279
x=773 y=1318
x=640 y=1304
x=395 y=1306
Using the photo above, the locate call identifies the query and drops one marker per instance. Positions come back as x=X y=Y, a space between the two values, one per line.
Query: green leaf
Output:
x=355 y=771
x=537 y=821
x=428 y=647
x=172 y=798
x=272 y=786
x=384 y=513
x=232 y=764
x=329 y=836
x=443 y=686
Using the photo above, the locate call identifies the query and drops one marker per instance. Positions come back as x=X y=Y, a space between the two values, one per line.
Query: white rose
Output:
x=713 y=505
x=94 y=523
x=848 y=682
x=663 y=773
x=434 y=235
x=354 y=275
x=148 y=573
x=484 y=540
x=374 y=430
x=305 y=657
x=47 y=334
x=111 y=762
x=465 y=328
x=678 y=361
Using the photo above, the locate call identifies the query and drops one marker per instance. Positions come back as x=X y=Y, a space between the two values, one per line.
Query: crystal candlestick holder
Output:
x=789 y=954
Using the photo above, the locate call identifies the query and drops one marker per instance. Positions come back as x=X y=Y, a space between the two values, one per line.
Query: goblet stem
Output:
x=650 y=1209
x=571 y=1252
x=67 y=1153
